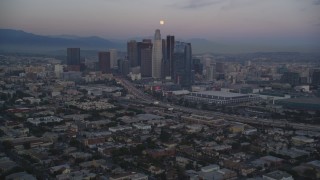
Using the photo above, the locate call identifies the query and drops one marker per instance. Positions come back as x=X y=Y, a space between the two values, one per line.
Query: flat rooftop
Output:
x=144 y=117
x=315 y=163
x=311 y=100
x=278 y=175
x=221 y=94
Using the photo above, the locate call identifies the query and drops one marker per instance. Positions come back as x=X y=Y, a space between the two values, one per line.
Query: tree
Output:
x=7 y=145
x=4 y=96
x=11 y=171
x=180 y=172
x=26 y=145
x=120 y=152
x=137 y=150
x=74 y=142
x=310 y=173
x=236 y=145
x=1 y=133
x=164 y=136
x=189 y=166
x=150 y=144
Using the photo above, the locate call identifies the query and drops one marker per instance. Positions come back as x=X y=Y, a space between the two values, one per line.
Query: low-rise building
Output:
x=142 y=126
x=45 y=120
x=210 y=168
x=277 y=175
x=119 y=128
x=20 y=176
x=219 y=97
x=131 y=176
x=302 y=140
x=61 y=169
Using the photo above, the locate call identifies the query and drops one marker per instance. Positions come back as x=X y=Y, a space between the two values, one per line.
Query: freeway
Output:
x=235 y=118
x=135 y=91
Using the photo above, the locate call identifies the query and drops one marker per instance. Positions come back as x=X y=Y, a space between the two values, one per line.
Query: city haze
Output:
x=287 y=25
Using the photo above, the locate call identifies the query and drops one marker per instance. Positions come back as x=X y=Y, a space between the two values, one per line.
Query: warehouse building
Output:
x=219 y=97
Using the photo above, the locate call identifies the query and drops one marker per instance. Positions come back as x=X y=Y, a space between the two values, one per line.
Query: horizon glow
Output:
x=124 y=19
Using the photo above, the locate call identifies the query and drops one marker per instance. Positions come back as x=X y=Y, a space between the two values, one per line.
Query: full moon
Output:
x=162 y=22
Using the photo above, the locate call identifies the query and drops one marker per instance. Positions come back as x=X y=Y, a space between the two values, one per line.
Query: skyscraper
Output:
x=182 y=58
x=157 y=55
x=123 y=66
x=220 y=71
x=132 y=53
x=197 y=66
x=211 y=72
x=169 y=56
x=220 y=67
x=291 y=78
x=113 y=58
x=164 y=55
x=73 y=59
x=145 y=57
x=104 y=62
x=315 y=77
x=58 y=70
x=146 y=43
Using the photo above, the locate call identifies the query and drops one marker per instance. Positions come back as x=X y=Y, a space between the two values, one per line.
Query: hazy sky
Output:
x=211 y=19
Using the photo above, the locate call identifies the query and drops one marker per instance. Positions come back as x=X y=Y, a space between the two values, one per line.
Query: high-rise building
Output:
x=58 y=70
x=104 y=62
x=197 y=66
x=113 y=58
x=282 y=69
x=146 y=43
x=164 y=55
x=292 y=78
x=157 y=55
x=169 y=56
x=123 y=66
x=211 y=72
x=220 y=67
x=220 y=74
x=73 y=59
x=145 y=58
x=316 y=77
x=182 y=66
x=132 y=51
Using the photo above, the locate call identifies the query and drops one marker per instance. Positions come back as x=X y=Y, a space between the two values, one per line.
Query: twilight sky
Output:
x=254 y=20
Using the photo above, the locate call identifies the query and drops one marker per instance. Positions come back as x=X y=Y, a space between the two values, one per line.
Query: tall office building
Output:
x=164 y=55
x=157 y=55
x=104 y=62
x=58 y=70
x=113 y=58
x=182 y=66
x=145 y=57
x=211 y=72
x=197 y=66
x=123 y=67
x=292 y=78
x=146 y=43
x=220 y=67
x=220 y=74
x=169 y=56
x=73 y=59
x=132 y=53
x=315 y=78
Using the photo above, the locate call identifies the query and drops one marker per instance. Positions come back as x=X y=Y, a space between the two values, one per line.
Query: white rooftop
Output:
x=144 y=117
x=315 y=163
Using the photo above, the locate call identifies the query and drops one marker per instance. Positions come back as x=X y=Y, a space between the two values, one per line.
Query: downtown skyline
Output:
x=271 y=23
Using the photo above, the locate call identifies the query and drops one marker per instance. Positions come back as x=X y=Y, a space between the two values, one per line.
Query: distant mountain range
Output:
x=23 y=42
x=20 y=41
